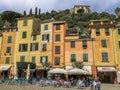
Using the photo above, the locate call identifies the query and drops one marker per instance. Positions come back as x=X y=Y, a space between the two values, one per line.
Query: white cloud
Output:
x=48 y=5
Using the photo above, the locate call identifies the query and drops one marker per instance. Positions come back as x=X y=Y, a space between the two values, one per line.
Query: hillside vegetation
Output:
x=8 y=18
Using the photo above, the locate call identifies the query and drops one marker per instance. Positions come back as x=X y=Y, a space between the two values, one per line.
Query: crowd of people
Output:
x=80 y=83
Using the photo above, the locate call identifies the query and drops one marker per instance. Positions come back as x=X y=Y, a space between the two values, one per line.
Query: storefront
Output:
x=107 y=74
x=5 y=71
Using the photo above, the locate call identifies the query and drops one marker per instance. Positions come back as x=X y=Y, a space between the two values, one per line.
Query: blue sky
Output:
x=48 y=5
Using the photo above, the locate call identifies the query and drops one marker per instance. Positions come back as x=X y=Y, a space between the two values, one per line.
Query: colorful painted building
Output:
x=7 y=51
x=46 y=41
x=78 y=48
x=27 y=41
x=58 y=47
x=116 y=37
x=104 y=60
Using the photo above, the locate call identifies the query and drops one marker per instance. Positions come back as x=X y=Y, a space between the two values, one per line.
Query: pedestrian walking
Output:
x=98 y=85
x=94 y=85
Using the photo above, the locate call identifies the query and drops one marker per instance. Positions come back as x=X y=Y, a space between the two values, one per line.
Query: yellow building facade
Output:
x=116 y=37
x=46 y=41
x=27 y=40
x=104 y=61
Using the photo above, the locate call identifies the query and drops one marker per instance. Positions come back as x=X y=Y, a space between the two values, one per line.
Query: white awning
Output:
x=77 y=71
x=57 y=70
x=4 y=67
x=106 y=69
x=88 y=68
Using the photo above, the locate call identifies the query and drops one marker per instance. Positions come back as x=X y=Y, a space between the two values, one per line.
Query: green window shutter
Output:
x=34 y=37
x=9 y=39
x=8 y=50
x=85 y=57
x=73 y=57
x=44 y=47
x=119 y=44
x=58 y=27
x=97 y=31
x=104 y=44
x=118 y=30
x=46 y=58
x=7 y=60
x=57 y=49
x=24 y=35
x=57 y=61
x=57 y=37
x=22 y=58
x=72 y=44
x=25 y=23
x=104 y=57
x=84 y=44
x=46 y=27
x=36 y=46
x=107 y=31
x=40 y=59
x=33 y=59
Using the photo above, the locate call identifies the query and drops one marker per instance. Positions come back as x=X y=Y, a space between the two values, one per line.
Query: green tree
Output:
x=117 y=11
x=30 y=13
x=78 y=64
x=39 y=11
x=47 y=65
x=10 y=16
x=36 y=11
x=24 y=13
x=104 y=15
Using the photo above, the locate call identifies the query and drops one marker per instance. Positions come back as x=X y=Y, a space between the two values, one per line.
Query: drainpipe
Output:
x=93 y=67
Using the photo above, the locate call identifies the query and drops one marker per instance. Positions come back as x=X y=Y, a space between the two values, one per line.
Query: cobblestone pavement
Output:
x=35 y=87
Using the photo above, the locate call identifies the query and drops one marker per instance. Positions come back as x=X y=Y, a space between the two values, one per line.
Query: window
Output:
x=85 y=57
x=57 y=27
x=46 y=27
x=103 y=43
x=34 y=37
x=57 y=49
x=9 y=39
x=34 y=47
x=23 y=47
x=44 y=59
x=57 y=61
x=107 y=31
x=72 y=44
x=118 y=30
x=33 y=59
x=8 y=50
x=44 y=47
x=57 y=37
x=84 y=44
x=73 y=57
x=25 y=23
x=22 y=58
x=119 y=44
x=104 y=57
x=45 y=37
x=24 y=35
x=7 y=60
x=97 y=31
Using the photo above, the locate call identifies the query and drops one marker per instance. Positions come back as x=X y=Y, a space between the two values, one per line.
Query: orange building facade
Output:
x=79 y=49
x=7 y=51
x=58 y=44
